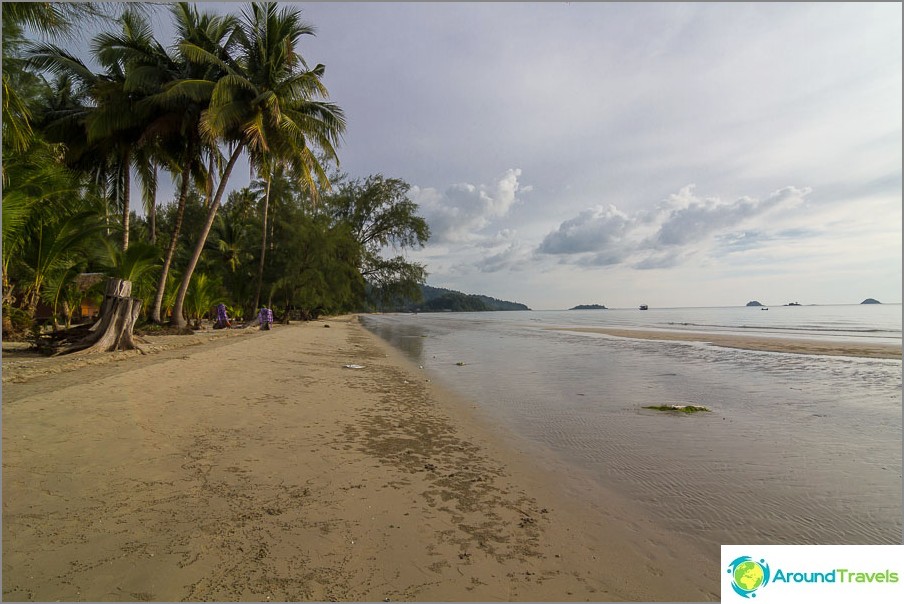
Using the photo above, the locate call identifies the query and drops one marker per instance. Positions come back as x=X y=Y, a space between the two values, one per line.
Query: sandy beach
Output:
x=766 y=344
x=260 y=468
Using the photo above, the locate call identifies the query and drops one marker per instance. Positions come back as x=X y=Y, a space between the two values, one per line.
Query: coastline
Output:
x=261 y=468
x=757 y=343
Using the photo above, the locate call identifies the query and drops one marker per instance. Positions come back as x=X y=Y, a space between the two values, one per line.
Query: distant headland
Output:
x=438 y=299
x=589 y=307
x=870 y=301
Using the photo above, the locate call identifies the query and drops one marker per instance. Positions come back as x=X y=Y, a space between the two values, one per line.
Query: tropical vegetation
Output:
x=303 y=238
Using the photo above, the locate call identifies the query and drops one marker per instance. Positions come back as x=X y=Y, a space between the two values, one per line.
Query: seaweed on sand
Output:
x=679 y=408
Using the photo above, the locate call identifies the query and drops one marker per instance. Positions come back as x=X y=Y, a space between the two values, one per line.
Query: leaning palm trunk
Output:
x=171 y=249
x=177 y=318
x=260 y=268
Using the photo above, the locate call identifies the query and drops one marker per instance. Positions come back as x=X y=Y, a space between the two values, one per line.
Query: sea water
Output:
x=797 y=449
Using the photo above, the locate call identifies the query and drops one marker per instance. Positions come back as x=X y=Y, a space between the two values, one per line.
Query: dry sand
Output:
x=258 y=467
x=744 y=342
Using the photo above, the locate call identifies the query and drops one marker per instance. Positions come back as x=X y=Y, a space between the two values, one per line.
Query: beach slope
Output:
x=263 y=468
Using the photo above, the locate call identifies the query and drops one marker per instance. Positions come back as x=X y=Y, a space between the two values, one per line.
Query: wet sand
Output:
x=259 y=467
x=766 y=344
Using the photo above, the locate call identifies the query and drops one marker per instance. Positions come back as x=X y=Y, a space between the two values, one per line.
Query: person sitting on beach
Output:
x=222 y=318
x=265 y=317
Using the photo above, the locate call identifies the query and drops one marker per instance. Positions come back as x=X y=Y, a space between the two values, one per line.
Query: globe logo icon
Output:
x=748 y=575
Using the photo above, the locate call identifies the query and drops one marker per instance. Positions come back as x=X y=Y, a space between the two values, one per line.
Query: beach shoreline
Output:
x=262 y=468
x=756 y=343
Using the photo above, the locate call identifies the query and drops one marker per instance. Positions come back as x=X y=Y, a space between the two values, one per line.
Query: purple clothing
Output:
x=222 y=318
x=221 y=313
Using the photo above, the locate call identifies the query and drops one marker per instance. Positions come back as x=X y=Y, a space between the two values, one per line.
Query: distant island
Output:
x=589 y=307
x=794 y=304
x=754 y=303
x=870 y=301
x=438 y=299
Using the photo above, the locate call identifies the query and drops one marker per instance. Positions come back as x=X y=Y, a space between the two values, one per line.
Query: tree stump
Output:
x=113 y=330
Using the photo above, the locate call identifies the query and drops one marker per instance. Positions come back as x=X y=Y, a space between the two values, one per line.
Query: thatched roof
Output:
x=85 y=280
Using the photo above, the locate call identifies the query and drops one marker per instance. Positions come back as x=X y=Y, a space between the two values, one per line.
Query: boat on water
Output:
x=644 y=307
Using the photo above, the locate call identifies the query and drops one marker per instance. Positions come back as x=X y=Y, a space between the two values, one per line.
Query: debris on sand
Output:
x=680 y=408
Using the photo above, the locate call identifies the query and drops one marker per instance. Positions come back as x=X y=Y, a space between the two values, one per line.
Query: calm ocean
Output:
x=798 y=448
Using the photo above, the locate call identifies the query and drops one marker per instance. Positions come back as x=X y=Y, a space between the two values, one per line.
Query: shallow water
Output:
x=797 y=449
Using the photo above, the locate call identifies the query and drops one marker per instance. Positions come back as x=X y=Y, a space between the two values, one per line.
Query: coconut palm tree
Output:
x=276 y=186
x=106 y=133
x=268 y=103
x=176 y=92
x=50 y=20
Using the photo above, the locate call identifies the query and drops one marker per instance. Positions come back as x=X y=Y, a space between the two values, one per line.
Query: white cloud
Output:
x=681 y=225
x=688 y=219
x=595 y=230
x=460 y=212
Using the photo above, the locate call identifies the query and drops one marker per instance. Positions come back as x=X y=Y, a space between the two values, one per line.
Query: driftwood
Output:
x=113 y=330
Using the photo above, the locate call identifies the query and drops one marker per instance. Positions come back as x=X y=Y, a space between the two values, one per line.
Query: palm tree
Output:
x=50 y=20
x=53 y=247
x=178 y=90
x=35 y=187
x=273 y=175
x=266 y=102
x=108 y=133
x=229 y=251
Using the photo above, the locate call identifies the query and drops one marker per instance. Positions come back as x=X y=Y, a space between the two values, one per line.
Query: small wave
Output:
x=792 y=329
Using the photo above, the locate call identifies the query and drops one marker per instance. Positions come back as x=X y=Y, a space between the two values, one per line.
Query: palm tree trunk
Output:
x=126 y=193
x=171 y=248
x=209 y=183
x=260 y=268
x=150 y=193
x=177 y=318
x=8 y=300
x=152 y=222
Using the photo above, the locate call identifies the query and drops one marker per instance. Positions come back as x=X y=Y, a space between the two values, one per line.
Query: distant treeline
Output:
x=438 y=299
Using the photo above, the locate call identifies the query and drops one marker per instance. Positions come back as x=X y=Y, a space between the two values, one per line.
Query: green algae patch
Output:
x=679 y=408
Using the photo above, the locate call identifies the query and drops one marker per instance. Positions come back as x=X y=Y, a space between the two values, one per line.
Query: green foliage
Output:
x=455 y=302
x=55 y=244
x=72 y=144
x=203 y=295
x=315 y=266
x=433 y=299
x=379 y=215
x=135 y=263
x=62 y=292
x=138 y=264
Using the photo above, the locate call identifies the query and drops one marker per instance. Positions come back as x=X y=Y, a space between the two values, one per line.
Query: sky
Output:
x=669 y=154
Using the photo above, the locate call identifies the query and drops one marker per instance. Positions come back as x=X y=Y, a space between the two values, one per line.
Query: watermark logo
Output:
x=812 y=573
x=748 y=575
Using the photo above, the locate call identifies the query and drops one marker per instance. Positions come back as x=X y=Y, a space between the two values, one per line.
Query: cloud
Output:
x=594 y=230
x=680 y=226
x=688 y=219
x=460 y=212
x=515 y=257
